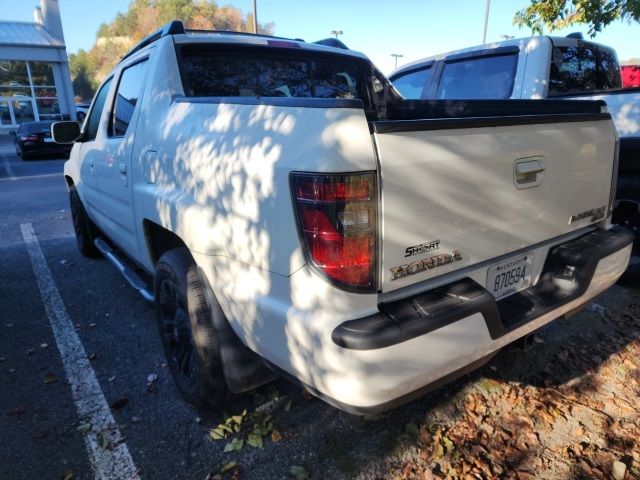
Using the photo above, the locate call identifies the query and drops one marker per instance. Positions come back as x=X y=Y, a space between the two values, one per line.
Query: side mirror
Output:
x=65 y=132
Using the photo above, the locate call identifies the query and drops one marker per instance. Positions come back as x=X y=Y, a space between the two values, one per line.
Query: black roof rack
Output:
x=174 y=27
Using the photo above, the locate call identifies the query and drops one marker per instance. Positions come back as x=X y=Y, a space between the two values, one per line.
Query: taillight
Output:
x=336 y=216
x=29 y=138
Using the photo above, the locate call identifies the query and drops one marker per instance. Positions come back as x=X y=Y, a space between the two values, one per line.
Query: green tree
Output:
x=80 y=69
x=142 y=18
x=557 y=14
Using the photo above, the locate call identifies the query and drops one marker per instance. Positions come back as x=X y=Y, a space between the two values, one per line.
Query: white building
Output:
x=35 y=82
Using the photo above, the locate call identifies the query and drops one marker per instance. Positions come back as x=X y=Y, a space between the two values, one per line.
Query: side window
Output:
x=478 y=78
x=129 y=90
x=96 y=112
x=413 y=85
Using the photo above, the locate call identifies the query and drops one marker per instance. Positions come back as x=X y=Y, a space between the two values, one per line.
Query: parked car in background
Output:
x=34 y=138
x=81 y=111
x=537 y=68
x=630 y=76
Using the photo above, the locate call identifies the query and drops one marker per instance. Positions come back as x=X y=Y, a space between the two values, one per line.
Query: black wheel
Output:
x=18 y=150
x=25 y=155
x=183 y=314
x=86 y=231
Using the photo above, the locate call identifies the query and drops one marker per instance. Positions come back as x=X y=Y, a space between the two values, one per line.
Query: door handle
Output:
x=123 y=168
x=528 y=172
x=528 y=168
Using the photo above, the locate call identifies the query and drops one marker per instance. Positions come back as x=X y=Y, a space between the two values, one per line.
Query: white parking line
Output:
x=109 y=455
x=7 y=168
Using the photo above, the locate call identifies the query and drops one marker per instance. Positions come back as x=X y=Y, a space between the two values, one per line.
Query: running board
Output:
x=127 y=272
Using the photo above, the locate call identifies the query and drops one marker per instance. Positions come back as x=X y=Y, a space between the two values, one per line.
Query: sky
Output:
x=412 y=28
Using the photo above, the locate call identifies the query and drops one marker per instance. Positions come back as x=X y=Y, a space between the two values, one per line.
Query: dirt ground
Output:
x=568 y=407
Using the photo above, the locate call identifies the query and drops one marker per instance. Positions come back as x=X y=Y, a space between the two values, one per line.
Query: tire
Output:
x=85 y=230
x=25 y=155
x=183 y=314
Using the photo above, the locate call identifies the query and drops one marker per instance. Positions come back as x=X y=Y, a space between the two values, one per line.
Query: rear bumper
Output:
x=429 y=339
x=566 y=276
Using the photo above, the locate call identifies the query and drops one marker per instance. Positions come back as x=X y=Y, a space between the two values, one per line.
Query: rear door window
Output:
x=486 y=77
x=414 y=85
x=212 y=72
x=583 y=68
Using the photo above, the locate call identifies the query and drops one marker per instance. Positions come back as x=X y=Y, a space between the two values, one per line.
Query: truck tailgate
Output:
x=459 y=191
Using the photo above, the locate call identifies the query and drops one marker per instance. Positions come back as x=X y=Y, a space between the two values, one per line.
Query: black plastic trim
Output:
x=488 y=52
x=276 y=101
x=396 y=126
x=405 y=319
x=408 y=70
x=629 y=154
x=574 y=263
x=601 y=91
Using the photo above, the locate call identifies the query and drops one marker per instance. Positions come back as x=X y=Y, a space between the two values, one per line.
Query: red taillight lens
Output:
x=337 y=221
x=29 y=138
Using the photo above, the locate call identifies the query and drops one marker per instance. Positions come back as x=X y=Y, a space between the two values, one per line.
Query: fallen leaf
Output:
x=152 y=377
x=276 y=436
x=44 y=345
x=136 y=419
x=254 y=440
x=50 y=378
x=111 y=379
x=120 y=403
x=68 y=475
x=31 y=351
x=234 y=445
x=93 y=356
x=287 y=407
x=298 y=472
x=84 y=428
x=217 y=433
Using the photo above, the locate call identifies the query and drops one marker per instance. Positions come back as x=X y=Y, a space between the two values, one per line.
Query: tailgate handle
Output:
x=528 y=172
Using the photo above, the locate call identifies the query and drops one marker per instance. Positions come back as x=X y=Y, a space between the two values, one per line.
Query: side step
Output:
x=127 y=272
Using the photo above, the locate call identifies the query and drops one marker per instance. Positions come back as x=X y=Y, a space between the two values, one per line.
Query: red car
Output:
x=630 y=76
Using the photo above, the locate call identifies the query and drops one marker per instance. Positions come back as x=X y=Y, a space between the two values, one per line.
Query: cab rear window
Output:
x=585 y=67
x=209 y=71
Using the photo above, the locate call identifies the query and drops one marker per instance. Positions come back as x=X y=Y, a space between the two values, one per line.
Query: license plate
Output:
x=48 y=140
x=510 y=276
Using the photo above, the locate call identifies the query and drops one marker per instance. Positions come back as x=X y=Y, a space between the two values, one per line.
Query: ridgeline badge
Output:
x=595 y=214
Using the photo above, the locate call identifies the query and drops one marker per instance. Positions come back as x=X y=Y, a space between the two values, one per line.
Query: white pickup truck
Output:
x=295 y=215
x=535 y=68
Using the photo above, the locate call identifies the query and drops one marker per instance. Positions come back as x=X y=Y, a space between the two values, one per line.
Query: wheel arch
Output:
x=159 y=240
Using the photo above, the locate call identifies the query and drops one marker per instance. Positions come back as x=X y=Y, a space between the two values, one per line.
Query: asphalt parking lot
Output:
x=45 y=429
